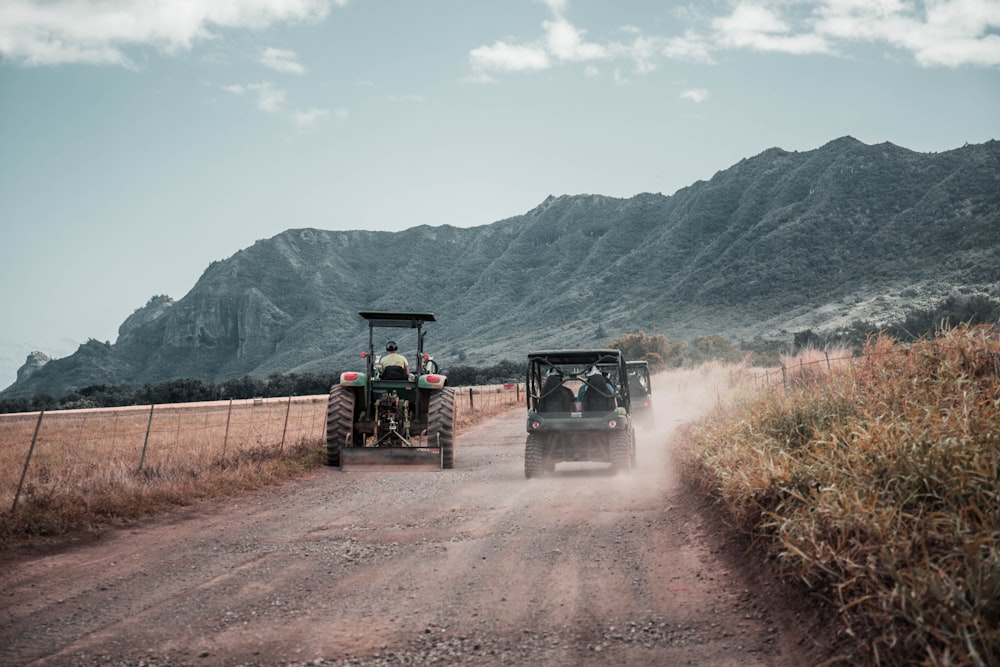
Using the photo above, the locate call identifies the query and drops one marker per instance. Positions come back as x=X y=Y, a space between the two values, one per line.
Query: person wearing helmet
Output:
x=603 y=388
x=394 y=365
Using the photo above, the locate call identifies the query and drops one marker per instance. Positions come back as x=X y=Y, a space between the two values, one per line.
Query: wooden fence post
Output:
x=284 y=430
x=229 y=416
x=145 y=443
x=24 y=471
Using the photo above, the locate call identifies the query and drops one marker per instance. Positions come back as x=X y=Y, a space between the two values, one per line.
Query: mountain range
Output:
x=777 y=243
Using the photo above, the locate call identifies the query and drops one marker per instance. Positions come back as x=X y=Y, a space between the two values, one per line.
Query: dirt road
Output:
x=472 y=566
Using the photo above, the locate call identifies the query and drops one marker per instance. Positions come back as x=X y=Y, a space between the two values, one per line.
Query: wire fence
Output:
x=808 y=366
x=813 y=365
x=81 y=448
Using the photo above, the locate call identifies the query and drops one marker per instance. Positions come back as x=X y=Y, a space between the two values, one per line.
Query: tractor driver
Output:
x=394 y=365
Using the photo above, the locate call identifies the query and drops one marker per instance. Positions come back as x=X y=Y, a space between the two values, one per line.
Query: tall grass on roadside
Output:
x=877 y=484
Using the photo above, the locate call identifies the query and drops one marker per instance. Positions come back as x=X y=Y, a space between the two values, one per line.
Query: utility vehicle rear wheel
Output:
x=621 y=452
x=534 y=465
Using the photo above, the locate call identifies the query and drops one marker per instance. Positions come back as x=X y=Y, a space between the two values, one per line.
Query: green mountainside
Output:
x=777 y=243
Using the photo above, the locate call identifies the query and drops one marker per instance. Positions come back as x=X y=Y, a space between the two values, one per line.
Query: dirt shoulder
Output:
x=472 y=566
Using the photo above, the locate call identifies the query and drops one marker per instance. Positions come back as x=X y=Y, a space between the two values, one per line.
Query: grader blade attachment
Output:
x=371 y=459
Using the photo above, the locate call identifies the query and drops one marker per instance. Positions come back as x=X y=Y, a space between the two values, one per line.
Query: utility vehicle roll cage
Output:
x=576 y=365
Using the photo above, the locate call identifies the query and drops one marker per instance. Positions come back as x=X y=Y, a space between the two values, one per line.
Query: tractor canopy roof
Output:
x=402 y=320
x=637 y=364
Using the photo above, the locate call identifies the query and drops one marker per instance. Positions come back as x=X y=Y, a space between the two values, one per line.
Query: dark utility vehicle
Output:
x=379 y=417
x=641 y=391
x=578 y=410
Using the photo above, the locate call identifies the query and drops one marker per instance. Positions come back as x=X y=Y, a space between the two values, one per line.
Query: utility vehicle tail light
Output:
x=433 y=379
x=535 y=424
x=612 y=423
x=364 y=355
x=350 y=377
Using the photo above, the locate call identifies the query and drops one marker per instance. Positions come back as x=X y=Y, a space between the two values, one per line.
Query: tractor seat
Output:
x=394 y=373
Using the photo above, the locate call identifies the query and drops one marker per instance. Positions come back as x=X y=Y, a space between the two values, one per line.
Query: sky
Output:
x=141 y=140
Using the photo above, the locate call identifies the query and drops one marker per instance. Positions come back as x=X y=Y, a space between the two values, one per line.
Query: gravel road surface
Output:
x=472 y=566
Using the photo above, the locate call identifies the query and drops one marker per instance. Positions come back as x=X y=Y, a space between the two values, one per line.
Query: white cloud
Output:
x=561 y=41
x=950 y=33
x=97 y=32
x=281 y=60
x=690 y=46
x=696 y=95
x=304 y=120
x=509 y=57
x=269 y=98
x=565 y=42
x=556 y=6
x=758 y=28
x=274 y=101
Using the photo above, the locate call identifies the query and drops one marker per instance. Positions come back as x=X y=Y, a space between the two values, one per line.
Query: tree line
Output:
x=191 y=390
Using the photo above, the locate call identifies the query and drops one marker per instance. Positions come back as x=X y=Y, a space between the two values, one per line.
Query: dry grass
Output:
x=878 y=484
x=92 y=468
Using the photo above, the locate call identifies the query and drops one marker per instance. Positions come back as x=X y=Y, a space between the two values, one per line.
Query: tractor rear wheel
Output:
x=441 y=425
x=339 y=422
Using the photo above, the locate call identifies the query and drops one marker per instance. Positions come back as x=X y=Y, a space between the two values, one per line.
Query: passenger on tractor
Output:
x=555 y=396
x=393 y=365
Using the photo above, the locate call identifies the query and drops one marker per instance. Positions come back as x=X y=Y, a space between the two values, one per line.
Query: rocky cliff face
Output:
x=152 y=311
x=31 y=365
x=765 y=245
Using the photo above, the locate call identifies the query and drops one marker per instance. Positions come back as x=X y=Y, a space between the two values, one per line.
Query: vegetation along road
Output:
x=476 y=566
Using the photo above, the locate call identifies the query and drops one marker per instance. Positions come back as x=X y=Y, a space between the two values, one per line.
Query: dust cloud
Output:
x=679 y=397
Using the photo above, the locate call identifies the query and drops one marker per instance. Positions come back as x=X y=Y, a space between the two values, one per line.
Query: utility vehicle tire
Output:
x=632 y=451
x=441 y=425
x=534 y=464
x=339 y=422
x=621 y=451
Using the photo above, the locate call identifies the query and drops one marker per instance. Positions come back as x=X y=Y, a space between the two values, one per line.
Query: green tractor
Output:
x=579 y=409
x=388 y=416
